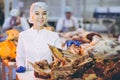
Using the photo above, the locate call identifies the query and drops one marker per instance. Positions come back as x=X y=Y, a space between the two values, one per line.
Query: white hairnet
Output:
x=68 y=9
x=14 y=12
x=35 y=6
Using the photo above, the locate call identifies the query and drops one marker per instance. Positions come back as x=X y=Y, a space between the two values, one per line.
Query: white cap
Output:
x=68 y=9
x=36 y=6
x=14 y=12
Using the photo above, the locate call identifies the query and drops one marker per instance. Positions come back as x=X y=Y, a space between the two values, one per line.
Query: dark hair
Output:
x=90 y=35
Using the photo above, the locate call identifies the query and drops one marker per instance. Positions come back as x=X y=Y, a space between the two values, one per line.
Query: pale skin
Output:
x=40 y=18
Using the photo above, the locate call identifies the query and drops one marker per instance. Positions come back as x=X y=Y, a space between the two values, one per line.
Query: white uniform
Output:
x=63 y=22
x=33 y=46
x=23 y=23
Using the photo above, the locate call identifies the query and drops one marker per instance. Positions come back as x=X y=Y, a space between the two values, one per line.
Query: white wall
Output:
x=91 y=4
x=56 y=7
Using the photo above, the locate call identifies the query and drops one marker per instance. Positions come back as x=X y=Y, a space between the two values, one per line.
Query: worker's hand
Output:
x=70 y=42
x=77 y=43
x=20 y=69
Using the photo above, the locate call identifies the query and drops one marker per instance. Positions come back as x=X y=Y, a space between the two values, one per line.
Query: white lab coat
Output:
x=33 y=46
x=23 y=23
x=67 y=23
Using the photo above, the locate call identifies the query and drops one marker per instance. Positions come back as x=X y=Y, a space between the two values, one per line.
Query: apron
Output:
x=66 y=29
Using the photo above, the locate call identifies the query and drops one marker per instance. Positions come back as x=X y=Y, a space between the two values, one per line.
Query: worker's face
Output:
x=68 y=15
x=40 y=17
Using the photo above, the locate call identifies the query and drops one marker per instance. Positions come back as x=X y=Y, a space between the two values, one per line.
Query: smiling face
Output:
x=39 y=17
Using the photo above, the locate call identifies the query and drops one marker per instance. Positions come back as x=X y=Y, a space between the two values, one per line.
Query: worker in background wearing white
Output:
x=15 y=22
x=68 y=22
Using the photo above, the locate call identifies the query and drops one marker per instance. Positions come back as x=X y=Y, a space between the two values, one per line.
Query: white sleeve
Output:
x=24 y=24
x=20 y=58
x=76 y=23
x=6 y=24
x=59 y=25
x=57 y=41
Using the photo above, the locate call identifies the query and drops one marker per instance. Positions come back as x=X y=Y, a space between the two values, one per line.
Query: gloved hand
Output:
x=21 y=69
x=70 y=42
x=77 y=43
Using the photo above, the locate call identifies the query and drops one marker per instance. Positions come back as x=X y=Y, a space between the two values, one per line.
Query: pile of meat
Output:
x=8 y=43
x=96 y=58
x=68 y=66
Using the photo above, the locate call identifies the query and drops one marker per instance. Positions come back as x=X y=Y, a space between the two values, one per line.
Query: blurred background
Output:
x=90 y=13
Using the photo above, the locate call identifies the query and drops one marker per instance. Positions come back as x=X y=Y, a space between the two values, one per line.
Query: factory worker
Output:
x=68 y=22
x=33 y=43
x=15 y=22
